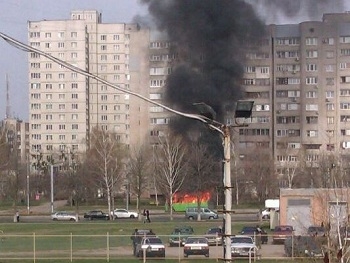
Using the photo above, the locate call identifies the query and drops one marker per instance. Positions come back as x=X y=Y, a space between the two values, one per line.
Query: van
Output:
x=192 y=213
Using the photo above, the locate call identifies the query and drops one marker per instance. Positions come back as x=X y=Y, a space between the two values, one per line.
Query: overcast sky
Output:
x=14 y=15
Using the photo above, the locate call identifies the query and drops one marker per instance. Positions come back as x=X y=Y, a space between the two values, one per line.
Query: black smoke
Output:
x=208 y=37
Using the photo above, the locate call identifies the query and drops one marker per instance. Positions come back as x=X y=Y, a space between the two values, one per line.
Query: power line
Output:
x=19 y=45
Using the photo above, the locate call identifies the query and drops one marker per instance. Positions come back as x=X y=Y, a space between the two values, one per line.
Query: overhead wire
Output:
x=19 y=45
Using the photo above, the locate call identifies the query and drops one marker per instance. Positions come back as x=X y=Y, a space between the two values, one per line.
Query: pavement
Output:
x=44 y=208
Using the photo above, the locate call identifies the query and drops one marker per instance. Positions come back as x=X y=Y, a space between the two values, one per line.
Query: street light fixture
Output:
x=243 y=110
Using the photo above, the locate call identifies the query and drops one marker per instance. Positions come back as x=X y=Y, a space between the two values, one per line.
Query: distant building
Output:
x=16 y=133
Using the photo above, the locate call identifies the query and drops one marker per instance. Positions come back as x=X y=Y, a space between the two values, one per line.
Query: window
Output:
x=61 y=86
x=75 y=126
x=74 y=96
x=330 y=120
x=311 y=119
x=330 y=106
x=311 y=80
x=103 y=57
x=311 y=107
x=73 y=44
x=60 y=44
x=155 y=96
x=311 y=54
x=329 y=94
x=311 y=94
x=73 y=34
x=103 y=47
x=103 y=37
x=312 y=133
x=74 y=55
x=311 y=67
x=74 y=106
x=329 y=68
x=61 y=106
x=311 y=41
x=61 y=126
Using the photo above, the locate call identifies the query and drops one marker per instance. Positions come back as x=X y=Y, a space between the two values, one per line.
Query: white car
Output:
x=64 y=216
x=196 y=246
x=265 y=214
x=243 y=246
x=151 y=246
x=123 y=213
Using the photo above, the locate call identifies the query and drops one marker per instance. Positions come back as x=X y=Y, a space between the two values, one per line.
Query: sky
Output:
x=14 y=15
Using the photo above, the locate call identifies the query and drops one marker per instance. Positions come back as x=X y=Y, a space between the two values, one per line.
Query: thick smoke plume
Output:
x=208 y=37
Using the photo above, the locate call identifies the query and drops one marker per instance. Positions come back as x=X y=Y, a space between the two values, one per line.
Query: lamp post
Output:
x=243 y=110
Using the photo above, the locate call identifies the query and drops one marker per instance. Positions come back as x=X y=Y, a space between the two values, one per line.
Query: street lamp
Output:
x=243 y=110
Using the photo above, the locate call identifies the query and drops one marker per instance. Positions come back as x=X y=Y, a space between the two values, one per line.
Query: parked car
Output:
x=243 y=246
x=192 y=213
x=265 y=214
x=96 y=215
x=196 y=246
x=64 y=216
x=179 y=235
x=319 y=231
x=253 y=231
x=123 y=213
x=137 y=237
x=303 y=246
x=214 y=236
x=152 y=246
x=280 y=233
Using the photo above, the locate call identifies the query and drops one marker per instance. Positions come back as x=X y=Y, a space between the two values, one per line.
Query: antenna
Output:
x=8 y=107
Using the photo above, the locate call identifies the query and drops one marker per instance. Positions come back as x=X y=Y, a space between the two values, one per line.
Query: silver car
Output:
x=64 y=216
x=243 y=246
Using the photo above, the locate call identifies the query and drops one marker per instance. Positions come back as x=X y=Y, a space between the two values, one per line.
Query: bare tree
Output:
x=201 y=165
x=171 y=165
x=105 y=159
x=258 y=173
x=138 y=170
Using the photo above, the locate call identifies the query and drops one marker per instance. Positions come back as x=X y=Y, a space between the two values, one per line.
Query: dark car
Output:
x=281 y=232
x=179 y=235
x=214 y=236
x=96 y=215
x=254 y=231
x=319 y=231
x=303 y=246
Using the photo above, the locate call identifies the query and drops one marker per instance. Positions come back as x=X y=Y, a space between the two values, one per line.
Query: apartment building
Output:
x=17 y=136
x=64 y=105
x=299 y=78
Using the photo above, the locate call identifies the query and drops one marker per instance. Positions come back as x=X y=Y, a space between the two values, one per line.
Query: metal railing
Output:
x=110 y=246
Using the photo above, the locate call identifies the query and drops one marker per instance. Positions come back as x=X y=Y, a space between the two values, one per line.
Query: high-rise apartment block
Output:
x=298 y=76
x=64 y=105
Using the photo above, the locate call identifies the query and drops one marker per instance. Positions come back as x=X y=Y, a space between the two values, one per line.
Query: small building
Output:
x=302 y=208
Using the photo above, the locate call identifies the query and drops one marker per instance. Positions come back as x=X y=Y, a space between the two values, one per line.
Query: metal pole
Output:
x=28 y=194
x=51 y=178
x=228 y=193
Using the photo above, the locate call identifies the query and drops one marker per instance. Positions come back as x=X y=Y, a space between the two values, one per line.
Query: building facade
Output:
x=298 y=77
x=64 y=105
